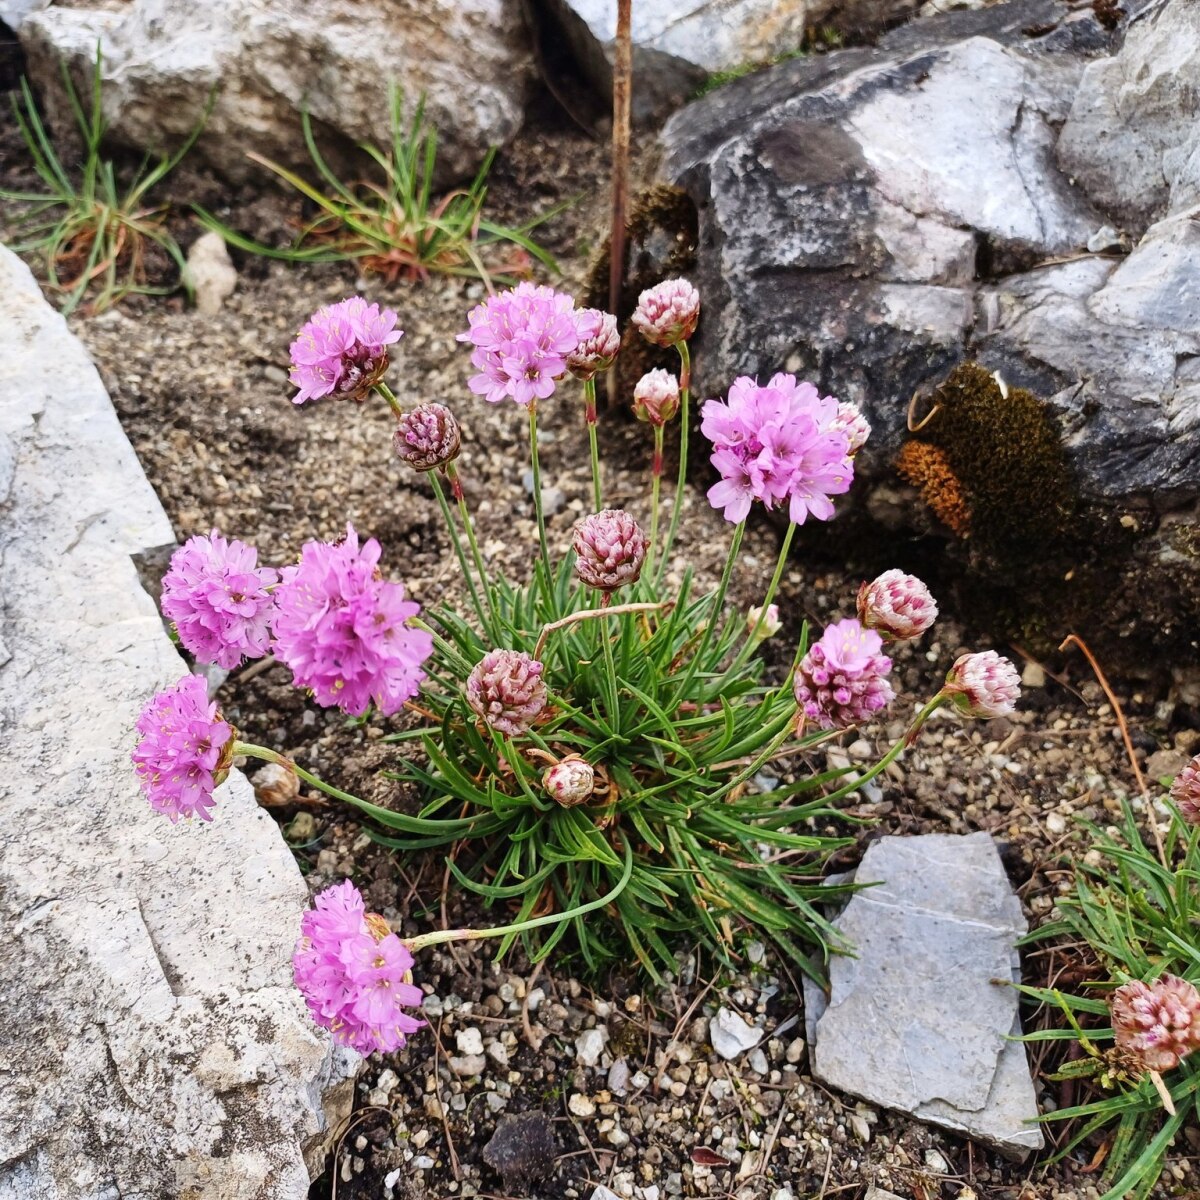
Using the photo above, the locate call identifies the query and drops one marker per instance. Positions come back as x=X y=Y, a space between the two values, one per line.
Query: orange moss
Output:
x=926 y=467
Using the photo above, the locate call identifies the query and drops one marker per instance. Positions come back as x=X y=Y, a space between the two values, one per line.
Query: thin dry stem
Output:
x=588 y=614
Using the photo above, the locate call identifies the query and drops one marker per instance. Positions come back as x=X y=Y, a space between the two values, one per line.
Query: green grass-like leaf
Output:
x=392 y=225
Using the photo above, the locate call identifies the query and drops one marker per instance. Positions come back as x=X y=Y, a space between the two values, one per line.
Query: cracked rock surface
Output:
x=161 y=1048
x=870 y=218
x=919 y=1019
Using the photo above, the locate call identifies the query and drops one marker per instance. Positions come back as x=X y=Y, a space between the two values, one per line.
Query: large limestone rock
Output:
x=678 y=44
x=155 y=1045
x=919 y=1018
x=872 y=218
x=266 y=60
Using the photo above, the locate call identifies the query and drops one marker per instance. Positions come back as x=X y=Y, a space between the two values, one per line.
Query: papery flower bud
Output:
x=184 y=752
x=427 y=437
x=1185 y=791
x=505 y=689
x=1157 y=1024
x=853 y=424
x=840 y=681
x=983 y=685
x=611 y=549
x=896 y=604
x=656 y=397
x=771 y=624
x=599 y=342
x=667 y=313
x=570 y=781
x=355 y=973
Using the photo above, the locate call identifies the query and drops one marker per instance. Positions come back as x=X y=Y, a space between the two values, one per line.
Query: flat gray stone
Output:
x=162 y=1049
x=919 y=1019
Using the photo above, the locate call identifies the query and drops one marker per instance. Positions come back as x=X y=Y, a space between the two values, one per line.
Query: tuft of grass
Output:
x=1138 y=914
x=92 y=233
x=393 y=225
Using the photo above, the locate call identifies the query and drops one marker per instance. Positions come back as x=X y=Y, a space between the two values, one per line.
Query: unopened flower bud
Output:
x=1185 y=791
x=570 y=781
x=983 y=685
x=667 y=313
x=505 y=689
x=850 y=421
x=427 y=437
x=896 y=604
x=770 y=623
x=599 y=342
x=611 y=549
x=656 y=397
x=1156 y=1024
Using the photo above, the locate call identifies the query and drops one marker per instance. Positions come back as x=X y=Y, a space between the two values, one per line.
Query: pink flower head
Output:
x=1157 y=1024
x=599 y=342
x=667 y=313
x=184 y=752
x=570 y=781
x=777 y=443
x=427 y=437
x=983 y=685
x=342 y=350
x=344 y=632
x=898 y=605
x=611 y=549
x=1185 y=791
x=840 y=681
x=353 y=973
x=522 y=339
x=850 y=420
x=506 y=690
x=656 y=397
x=216 y=595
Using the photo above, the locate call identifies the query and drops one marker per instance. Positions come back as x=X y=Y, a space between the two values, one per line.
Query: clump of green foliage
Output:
x=91 y=232
x=1137 y=910
x=393 y=225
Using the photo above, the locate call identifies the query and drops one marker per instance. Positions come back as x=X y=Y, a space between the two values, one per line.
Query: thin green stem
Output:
x=753 y=635
x=610 y=666
x=589 y=399
x=439 y=936
x=685 y=380
x=537 y=501
x=894 y=753
x=394 y=404
x=440 y=495
x=268 y=755
x=655 y=490
x=714 y=614
x=760 y=761
x=469 y=527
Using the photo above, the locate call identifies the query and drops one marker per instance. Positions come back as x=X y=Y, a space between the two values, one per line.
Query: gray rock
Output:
x=917 y=1020
x=589 y=1045
x=731 y=1035
x=162 y=1048
x=267 y=59
x=210 y=272
x=1133 y=136
x=871 y=218
x=14 y=12
x=678 y=44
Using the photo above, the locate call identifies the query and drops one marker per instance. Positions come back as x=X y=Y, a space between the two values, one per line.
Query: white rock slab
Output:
x=159 y=1047
x=918 y=1020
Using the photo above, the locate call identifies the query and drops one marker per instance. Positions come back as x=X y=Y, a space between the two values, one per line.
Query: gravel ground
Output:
x=626 y=1077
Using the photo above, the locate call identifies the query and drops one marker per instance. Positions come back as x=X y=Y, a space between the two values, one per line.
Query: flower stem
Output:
x=714 y=614
x=589 y=398
x=589 y=614
x=448 y=517
x=752 y=638
x=537 y=500
x=386 y=392
x=469 y=527
x=440 y=936
x=610 y=666
x=655 y=489
x=273 y=756
x=894 y=753
x=685 y=380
